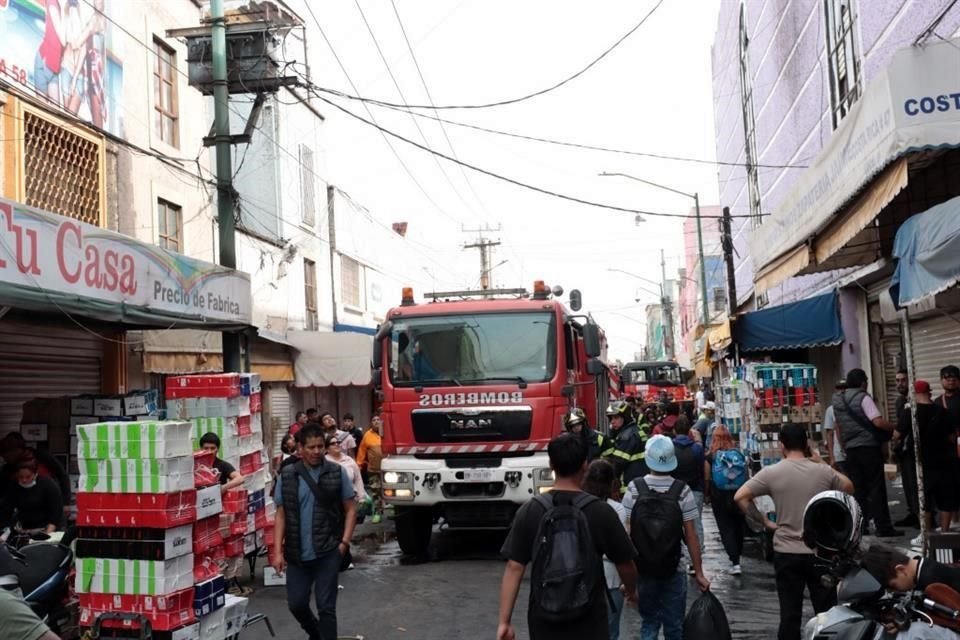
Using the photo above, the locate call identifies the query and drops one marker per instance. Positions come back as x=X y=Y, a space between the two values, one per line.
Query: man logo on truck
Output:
x=459 y=399
x=469 y=424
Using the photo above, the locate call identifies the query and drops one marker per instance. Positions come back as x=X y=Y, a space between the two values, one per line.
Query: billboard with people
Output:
x=64 y=51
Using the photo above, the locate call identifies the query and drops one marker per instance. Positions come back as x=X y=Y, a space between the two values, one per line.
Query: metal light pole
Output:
x=696 y=203
x=221 y=118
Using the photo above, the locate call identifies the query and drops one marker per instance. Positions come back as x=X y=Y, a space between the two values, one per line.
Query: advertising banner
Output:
x=49 y=261
x=66 y=51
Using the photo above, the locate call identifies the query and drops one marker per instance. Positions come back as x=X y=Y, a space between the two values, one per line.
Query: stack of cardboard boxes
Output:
x=136 y=507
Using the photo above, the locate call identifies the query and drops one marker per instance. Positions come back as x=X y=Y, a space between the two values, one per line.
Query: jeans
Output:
x=320 y=575
x=613 y=614
x=865 y=465
x=793 y=571
x=663 y=602
x=730 y=521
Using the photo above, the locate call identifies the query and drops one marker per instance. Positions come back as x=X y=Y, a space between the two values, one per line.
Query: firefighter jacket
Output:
x=598 y=445
x=628 y=455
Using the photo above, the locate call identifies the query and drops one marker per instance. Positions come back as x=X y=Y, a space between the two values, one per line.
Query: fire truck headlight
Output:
x=393 y=477
x=545 y=475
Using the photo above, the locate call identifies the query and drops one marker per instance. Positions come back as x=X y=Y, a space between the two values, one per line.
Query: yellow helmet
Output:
x=618 y=408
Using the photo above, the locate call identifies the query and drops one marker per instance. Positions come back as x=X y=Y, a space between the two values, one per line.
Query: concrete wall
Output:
x=788 y=70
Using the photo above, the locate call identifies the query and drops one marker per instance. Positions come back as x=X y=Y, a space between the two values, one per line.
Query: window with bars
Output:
x=62 y=170
x=308 y=186
x=169 y=226
x=165 y=108
x=749 y=124
x=350 y=281
x=845 y=81
x=311 y=321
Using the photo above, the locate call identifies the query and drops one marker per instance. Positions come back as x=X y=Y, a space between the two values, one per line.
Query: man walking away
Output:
x=690 y=470
x=791 y=483
x=662 y=513
x=836 y=457
x=316 y=514
x=862 y=433
x=904 y=450
x=938 y=456
x=565 y=534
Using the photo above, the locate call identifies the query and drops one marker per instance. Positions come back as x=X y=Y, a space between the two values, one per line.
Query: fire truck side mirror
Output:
x=595 y=367
x=576 y=300
x=591 y=339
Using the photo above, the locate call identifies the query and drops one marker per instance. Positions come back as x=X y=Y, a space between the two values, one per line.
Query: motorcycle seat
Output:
x=41 y=561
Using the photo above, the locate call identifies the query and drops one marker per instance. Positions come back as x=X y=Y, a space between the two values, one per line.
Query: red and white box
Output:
x=148 y=510
x=165 y=613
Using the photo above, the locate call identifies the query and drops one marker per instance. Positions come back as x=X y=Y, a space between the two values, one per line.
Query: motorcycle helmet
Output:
x=619 y=408
x=832 y=524
x=573 y=418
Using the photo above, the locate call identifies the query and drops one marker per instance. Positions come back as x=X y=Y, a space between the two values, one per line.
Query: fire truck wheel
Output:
x=414 y=528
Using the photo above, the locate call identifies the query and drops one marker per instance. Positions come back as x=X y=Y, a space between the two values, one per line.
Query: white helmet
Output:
x=832 y=523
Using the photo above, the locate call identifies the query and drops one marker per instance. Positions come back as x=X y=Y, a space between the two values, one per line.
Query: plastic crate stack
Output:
x=136 y=507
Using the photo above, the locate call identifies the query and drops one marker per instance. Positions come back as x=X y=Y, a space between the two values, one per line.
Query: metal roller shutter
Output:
x=936 y=343
x=277 y=418
x=39 y=360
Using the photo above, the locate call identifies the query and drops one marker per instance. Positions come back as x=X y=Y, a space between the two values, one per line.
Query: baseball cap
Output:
x=709 y=405
x=921 y=386
x=660 y=454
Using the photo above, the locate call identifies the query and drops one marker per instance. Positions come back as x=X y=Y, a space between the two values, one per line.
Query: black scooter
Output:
x=39 y=573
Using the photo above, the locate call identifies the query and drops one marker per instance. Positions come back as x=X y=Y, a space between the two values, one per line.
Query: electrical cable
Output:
x=500 y=103
x=516 y=182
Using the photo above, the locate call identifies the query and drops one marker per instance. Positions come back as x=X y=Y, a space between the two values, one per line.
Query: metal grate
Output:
x=62 y=171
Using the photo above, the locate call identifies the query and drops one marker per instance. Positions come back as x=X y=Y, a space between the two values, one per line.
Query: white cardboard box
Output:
x=134 y=577
x=163 y=475
x=213 y=626
x=77 y=420
x=235 y=610
x=81 y=406
x=272 y=579
x=34 y=432
x=142 y=439
x=191 y=632
x=108 y=407
x=209 y=502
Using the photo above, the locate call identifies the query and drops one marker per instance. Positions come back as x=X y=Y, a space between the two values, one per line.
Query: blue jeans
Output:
x=319 y=575
x=663 y=602
x=613 y=614
x=698 y=525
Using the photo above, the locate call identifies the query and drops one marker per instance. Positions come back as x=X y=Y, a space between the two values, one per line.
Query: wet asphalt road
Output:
x=455 y=594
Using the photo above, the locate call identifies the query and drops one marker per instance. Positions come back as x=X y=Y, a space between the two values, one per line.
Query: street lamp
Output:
x=696 y=203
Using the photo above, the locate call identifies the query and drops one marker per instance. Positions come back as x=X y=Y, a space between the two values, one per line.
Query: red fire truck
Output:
x=473 y=386
x=654 y=381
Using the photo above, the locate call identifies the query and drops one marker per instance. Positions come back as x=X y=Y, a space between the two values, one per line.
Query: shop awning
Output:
x=926 y=248
x=814 y=322
x=326 y=359
x=180 y=351
x=272 y=357
x=824 y=221
x=58 y=264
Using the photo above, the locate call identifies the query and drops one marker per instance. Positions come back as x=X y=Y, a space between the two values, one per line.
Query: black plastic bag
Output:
x=706 y=620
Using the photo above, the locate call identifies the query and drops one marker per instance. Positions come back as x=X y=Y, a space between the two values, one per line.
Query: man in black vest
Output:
x=862 y=432
x=316 y=514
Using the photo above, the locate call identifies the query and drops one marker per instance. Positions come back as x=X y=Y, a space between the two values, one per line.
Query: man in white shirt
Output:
x=837 y=458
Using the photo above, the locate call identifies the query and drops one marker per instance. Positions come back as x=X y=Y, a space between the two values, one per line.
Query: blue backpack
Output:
x=729 y=470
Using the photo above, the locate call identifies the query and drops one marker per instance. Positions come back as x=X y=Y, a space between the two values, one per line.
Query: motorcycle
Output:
x=832 y=527
x=38 y=571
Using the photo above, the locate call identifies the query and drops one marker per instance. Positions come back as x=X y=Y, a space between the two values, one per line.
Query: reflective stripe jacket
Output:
x=628 y=455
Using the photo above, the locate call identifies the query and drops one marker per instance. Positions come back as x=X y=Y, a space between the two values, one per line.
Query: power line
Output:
x=426 y=90
x=396 y=154
x=522 y=98
x=514 y=181
x=396 y=84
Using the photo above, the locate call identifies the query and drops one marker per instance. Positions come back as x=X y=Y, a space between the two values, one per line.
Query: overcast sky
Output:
x=651 y=94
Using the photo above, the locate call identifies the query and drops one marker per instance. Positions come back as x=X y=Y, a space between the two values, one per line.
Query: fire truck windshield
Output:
x=663 y=375
x=473 y=349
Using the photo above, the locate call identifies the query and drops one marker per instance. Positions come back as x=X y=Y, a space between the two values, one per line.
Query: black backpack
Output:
x=567 y=568
x=656 y=528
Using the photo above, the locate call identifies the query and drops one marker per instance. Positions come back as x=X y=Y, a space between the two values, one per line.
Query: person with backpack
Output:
x=690 y=469
x=662 y=514
x=601 y=481
x=725 y=471
x=792 y=483
x=564 y=534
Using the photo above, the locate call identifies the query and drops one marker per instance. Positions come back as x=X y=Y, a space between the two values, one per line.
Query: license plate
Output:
x=478 y=475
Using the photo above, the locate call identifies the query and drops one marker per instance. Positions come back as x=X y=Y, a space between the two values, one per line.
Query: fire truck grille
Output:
x=484 y=424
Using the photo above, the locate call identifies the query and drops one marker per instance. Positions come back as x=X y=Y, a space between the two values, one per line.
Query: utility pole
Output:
x=667 y=300
x=726 y=241
x=221 y=120
x=485 y=247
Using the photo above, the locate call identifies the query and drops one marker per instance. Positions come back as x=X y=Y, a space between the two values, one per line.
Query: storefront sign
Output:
x=41 y=251
x=67 y=53
x=913 y=104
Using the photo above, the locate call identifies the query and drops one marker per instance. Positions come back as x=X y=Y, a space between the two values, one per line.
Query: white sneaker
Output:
x=917 y=542
x=735 y=570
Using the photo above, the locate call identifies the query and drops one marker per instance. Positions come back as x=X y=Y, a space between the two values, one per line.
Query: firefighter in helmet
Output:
x=575 y=421
x=629 y=442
